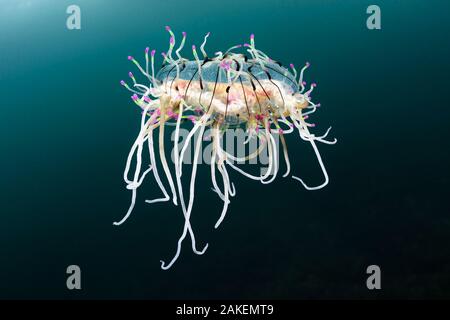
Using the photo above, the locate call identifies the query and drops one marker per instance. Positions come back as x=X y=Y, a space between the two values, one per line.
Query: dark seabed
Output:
x=66 y=126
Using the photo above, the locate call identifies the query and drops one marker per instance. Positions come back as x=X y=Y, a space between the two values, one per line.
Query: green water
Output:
x=66 y=126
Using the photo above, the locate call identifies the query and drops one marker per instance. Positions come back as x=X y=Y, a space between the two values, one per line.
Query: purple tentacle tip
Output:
x=291 y=65
x=304 y=83
x=314 y=85
x=246 y=45
x=193 y=47
x=308 y=64
x=252 y=36
x=130 y=58
x=184 y=34
x=167 y=28
x=153 y=52
x=134 y=97
x=147 y=49
x=122 y=82
x=130 y=74
x=318 y=105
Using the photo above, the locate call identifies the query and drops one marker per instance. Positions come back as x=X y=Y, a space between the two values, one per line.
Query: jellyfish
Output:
x=240 y=87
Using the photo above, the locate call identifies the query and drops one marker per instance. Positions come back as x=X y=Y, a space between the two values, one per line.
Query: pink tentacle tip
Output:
x=313 y=124
x=259 y=117
x=153 y=53
x=184 y=33
x=122 y=82
x=130 y=74
x=146 y=50
x=318 y=105
x=167 y=28
x=280 y=131
x=147 y=99
x=252 y=36
x=130 y=58
x=172 y=40
x=314 y=85
x=193 y=47
x=163 y=54
x=304 y=83
x=307 y=64
x=292 y=66
x=305 y=117
x=246 y=45
x=134 y=97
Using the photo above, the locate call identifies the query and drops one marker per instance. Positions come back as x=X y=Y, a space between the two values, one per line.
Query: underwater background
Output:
x=66 y=127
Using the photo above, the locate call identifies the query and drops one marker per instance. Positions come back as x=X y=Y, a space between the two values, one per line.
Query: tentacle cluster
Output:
x=248 y=88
